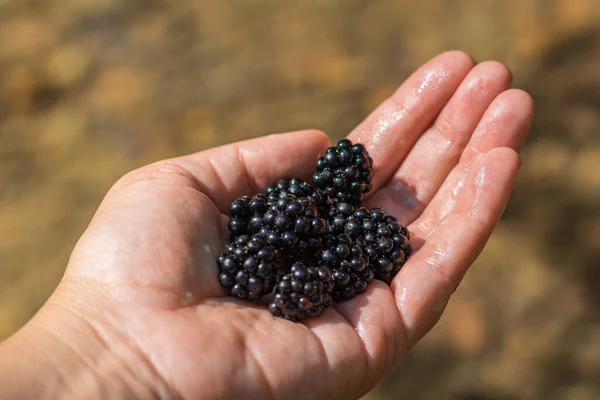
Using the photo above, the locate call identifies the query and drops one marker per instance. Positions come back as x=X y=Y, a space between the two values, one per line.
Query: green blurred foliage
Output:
x=90 y=89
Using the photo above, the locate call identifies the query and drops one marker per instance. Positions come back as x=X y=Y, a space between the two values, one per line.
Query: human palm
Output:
x=445 y=159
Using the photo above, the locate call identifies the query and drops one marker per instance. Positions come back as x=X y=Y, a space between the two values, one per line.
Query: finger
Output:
x=343 y=351
x=392 y=129
x=439 y=149
x=245 y=168
x=424 y=285
x=505 y=124
x=376 y=322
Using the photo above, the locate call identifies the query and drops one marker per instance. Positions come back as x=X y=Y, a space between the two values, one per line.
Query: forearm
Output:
x=59 y=355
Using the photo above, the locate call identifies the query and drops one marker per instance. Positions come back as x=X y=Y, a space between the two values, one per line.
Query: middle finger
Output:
x=393 y=128
x=439 y=149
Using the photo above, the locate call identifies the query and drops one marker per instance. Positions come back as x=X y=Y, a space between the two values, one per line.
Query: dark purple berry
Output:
x=345 y=173
x=304 y=292
x=249 y=268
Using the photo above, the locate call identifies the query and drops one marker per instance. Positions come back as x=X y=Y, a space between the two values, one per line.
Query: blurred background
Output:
x=90 y=89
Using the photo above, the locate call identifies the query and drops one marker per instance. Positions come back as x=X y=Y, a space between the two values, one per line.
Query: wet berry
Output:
x=303 y=292
x=380 y=236
x=249 y=268
x=348 y=265
x=344 y=173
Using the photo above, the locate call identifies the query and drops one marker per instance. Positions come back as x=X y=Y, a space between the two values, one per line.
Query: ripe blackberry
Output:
x=293 y=223
x=349 y=265
x=250 y=267
x=298 y=188
x=303 y=292
x=382 y=238
x=344 y=173
x=247 y=213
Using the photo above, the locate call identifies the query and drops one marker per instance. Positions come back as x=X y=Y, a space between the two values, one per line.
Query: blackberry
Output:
x=294 y=224
x=299 y=188
x=247 y=213
x=344 y=173
x=250 y=267
x=303 y=292
x=382 y=238
x=349 y=266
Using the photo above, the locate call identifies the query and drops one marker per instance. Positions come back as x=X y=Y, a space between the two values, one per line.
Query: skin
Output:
x=140 y=312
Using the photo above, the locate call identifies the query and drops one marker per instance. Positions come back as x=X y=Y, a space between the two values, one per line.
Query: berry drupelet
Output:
x=250 y=267
x=303 y=292
x=349 y=266
x=344 y=173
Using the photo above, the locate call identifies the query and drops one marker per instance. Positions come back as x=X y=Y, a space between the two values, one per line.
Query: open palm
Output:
x=445 y=149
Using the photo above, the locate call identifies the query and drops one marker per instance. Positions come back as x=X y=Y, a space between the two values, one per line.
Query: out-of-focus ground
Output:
x=90 y=89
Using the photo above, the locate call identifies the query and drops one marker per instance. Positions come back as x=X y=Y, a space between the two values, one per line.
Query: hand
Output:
x=140 y=310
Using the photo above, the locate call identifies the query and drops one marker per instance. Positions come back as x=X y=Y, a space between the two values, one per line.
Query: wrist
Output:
x=69 y=350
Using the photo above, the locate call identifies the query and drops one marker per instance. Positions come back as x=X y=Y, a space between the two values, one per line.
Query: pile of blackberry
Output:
x=306 y=247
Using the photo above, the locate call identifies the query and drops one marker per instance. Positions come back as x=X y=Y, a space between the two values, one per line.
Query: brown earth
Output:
x=90 y=89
